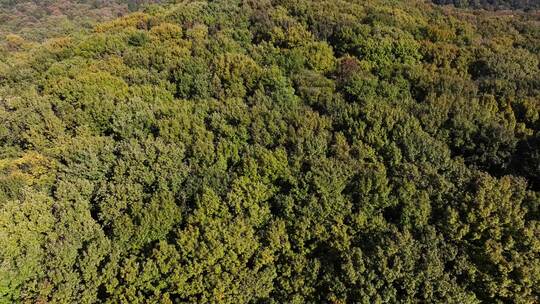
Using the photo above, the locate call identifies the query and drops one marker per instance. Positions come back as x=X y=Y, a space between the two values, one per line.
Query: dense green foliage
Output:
x=274 y=151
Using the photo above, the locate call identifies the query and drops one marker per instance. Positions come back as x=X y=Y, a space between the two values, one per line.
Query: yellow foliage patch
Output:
x=136 y=20
x=55 y=44
x=167 y=31
x=32 y=167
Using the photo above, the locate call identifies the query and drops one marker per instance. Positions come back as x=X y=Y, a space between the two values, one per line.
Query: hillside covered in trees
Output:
x=493 y=4
x=27 y=21
x=273 y=151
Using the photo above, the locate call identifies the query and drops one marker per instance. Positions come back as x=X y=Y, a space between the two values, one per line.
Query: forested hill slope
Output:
x=284 y=151
x=493 y=4
x=36 y=20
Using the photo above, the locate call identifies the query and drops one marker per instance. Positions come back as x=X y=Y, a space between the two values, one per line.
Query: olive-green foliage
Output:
x=279 y=151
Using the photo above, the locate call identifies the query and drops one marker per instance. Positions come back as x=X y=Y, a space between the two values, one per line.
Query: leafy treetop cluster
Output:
x=283 y=151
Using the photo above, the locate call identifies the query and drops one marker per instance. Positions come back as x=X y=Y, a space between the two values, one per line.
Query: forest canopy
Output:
x=38 y=20
x=493 y=4
x=272 y=151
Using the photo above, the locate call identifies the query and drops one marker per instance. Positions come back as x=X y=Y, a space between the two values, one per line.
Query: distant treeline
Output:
x=36 y=20
x=493 y=4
